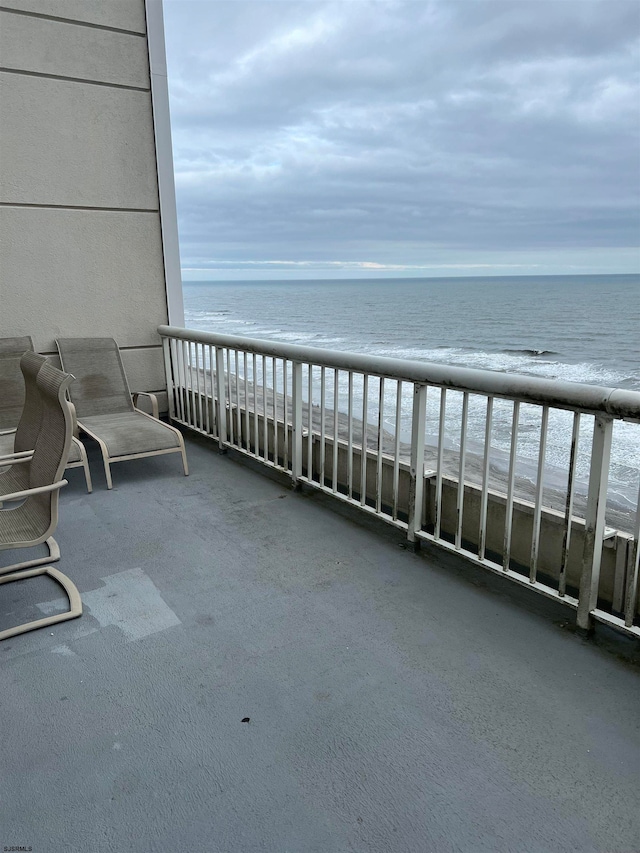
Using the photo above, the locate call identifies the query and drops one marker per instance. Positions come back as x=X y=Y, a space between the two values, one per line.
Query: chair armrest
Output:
x=152 y=398
x=15 y=458
x=28 y=493
x=8 y=431
x=76 y=431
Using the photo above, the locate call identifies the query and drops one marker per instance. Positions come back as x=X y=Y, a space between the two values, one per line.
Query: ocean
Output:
x=577 y=328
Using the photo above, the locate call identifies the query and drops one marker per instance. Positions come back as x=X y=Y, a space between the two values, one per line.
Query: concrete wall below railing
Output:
x=615 y=552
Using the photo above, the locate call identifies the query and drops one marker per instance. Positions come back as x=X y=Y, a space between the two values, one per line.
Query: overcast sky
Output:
x=330 y=139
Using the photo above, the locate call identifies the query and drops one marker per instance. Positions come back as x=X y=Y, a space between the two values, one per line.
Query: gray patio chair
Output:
x=106 y=408
x=33 y=521
x=20 y=408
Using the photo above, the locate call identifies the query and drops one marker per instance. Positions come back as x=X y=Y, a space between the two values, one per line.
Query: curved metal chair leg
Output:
x=75 y=603
x=85 y=466
x=183 y=451
x=54 y=556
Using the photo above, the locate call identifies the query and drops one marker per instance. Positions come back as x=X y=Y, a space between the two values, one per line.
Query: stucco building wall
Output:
x=81 y=248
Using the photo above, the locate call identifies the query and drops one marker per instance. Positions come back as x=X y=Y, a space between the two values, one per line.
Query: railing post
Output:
x=416 y=473
x=221 y=395
x=633 y=569
x=169 y=377
x=594 y=522
x=296 y=414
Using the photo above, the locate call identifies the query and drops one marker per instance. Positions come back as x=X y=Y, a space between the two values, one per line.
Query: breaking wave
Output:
x=535 y=353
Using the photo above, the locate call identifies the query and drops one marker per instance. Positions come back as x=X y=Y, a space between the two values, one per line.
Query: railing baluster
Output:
x=187 y=383
x=275 y=411
x=183 y=383
x=396 y=449
x=238 y=407
x=310 y=435
x=247 y=425
x=205 y=391
x=222 y=405
x=205 y=400
x=568 y=511
x=193 y=378
x=285 y=417
x=228 y=387
x=484 y=501
x=461 y=469
x=254 y=374
x=212 y=407
x=350 y=439
x=200 y=417
x=192 y=383
x=440 y=463
x=185 y=368
x=508 y=512
x=334 y=474
x=594 y=522
x=363 y=456
x=265 y=434
x=322 y=416
x=537 y=511
x=296 y=450
x=379 y=445
x=416 y=471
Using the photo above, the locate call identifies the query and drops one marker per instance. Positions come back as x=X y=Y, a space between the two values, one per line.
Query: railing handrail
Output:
x=617 y=402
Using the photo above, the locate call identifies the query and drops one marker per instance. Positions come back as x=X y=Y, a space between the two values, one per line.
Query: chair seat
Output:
x=128 y=433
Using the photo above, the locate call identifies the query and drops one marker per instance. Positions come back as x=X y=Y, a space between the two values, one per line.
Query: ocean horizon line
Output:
x=410 y=278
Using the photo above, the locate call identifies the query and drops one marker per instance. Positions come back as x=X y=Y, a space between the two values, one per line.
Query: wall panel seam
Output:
x=66 y=79
x=88 y=207
x=56 y=19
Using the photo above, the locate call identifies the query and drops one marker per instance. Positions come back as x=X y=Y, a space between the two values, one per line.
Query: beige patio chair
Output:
x=18 y=450
x=106 y=408
x=11 y=384
x=33 y=521
x=20 y=408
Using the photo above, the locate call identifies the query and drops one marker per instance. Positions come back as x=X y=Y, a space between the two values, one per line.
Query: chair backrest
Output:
x=31 y=419
x=56 y=429
x=101 y=386
x=40 y=512
x=11 y=384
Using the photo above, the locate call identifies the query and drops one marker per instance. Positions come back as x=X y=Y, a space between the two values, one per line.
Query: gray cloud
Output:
x=406 y=133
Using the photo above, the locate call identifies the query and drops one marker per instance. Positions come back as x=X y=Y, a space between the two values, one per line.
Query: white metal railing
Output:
x=453 y=456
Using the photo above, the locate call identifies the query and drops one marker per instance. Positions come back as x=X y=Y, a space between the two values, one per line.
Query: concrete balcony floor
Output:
x=397 y=702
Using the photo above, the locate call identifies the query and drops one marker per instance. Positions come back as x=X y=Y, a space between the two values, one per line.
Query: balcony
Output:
x=393 y=701
x=451 y=456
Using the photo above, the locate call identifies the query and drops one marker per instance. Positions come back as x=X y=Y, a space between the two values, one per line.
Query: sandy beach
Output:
x=524 y=486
